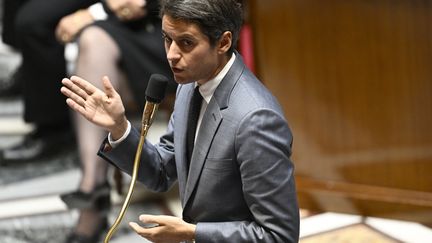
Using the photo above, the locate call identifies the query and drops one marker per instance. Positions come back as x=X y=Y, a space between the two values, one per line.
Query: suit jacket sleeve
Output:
x=263 y=148
x=157 y=166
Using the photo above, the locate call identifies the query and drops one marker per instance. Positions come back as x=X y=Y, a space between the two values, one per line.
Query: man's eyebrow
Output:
x=183 y=35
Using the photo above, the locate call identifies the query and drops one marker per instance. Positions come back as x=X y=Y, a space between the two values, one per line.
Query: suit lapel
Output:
x=180 y=137
x=211 y=121
x=209 y=125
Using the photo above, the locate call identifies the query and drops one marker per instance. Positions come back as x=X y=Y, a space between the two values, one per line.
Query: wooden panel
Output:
x=355 y=80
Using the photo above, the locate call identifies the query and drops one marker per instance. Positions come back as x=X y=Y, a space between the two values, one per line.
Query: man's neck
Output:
x=223 y=62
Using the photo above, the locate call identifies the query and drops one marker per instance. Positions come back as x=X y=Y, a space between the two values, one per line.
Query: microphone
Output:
x=155 y=93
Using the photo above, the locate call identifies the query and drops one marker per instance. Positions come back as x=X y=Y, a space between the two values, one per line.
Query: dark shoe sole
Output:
x=99 y=198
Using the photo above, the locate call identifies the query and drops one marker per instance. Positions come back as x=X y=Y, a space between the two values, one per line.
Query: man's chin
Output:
x=181 y=80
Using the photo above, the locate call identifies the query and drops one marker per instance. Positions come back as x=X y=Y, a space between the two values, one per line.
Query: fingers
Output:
x=63 y=31
x=136 y=227
x=144 y=232
x=131 y=10
x=69 y=26
x=73 y=92
x=58 y=31
x=64 y=36
x=151 y=219
x=108 y=87
x=76 y=107
x=168 y=228
x=74 y=101
x=125 y=13
x=86 y=87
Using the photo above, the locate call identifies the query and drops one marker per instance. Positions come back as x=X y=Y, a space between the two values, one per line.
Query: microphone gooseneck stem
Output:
x=147 y=119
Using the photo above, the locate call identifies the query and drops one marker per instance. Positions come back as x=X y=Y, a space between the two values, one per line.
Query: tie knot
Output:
x=196 y=95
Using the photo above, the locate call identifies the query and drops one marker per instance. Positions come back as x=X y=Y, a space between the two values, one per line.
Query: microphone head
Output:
x=156 y=87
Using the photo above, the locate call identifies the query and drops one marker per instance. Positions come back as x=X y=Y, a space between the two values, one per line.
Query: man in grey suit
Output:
x=238 y=184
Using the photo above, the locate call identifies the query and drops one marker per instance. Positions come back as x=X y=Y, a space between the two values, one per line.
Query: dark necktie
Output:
x=194 y=111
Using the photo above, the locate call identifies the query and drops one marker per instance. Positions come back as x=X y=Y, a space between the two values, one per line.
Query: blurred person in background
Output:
x=10 y=85
x=121 y=38
x=43 y=63
x=124 y=41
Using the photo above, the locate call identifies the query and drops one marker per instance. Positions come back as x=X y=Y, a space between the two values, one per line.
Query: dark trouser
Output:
x=44 y=64
x=9 y=12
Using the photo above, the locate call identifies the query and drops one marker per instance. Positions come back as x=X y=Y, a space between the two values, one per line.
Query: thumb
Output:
x=108 y=87
x=147 y=218
x=149 y=221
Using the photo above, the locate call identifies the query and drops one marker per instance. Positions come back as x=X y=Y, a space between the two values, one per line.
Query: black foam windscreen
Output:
x=156 y=87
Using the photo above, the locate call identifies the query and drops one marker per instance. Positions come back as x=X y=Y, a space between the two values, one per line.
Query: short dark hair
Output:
x=213 y=17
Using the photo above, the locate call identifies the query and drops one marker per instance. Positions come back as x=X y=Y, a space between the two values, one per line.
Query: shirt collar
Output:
x=207 y=90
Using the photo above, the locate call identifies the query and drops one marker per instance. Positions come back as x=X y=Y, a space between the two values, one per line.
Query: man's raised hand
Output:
x=103 y=108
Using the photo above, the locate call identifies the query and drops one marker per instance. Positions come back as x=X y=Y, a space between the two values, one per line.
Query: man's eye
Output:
x=167 y=40
x=187 y=43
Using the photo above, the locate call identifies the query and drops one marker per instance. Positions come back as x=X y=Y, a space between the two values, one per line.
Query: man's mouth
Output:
x=176 y=70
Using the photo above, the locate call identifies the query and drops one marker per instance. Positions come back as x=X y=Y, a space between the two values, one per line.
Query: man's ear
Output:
x=225 y=42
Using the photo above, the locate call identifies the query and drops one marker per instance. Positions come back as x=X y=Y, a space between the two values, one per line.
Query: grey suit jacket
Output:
x=240 y=186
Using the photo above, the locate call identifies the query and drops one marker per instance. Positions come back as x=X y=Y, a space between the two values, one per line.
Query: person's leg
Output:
x=91 y=224
x=10 y=9
x=98 y=56
x=95 y=59
x=44 y=64
x=43 y=67
x=10 y=85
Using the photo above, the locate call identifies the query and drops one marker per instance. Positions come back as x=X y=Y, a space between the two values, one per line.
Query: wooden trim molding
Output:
x=365 y=192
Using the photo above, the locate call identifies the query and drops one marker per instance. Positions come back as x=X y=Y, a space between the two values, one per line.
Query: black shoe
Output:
x=35 y=147
x=99 y=198
x=95 y=237
x=103 y=204
x=12 y=86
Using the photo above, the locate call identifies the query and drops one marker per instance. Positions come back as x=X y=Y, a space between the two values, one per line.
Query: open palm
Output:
x=104 y=109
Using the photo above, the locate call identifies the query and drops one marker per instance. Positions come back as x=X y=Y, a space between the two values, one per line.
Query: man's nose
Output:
x=173 y=53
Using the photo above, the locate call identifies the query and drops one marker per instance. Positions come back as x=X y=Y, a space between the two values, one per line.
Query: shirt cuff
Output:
x=97 y=11
x=118 y=141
